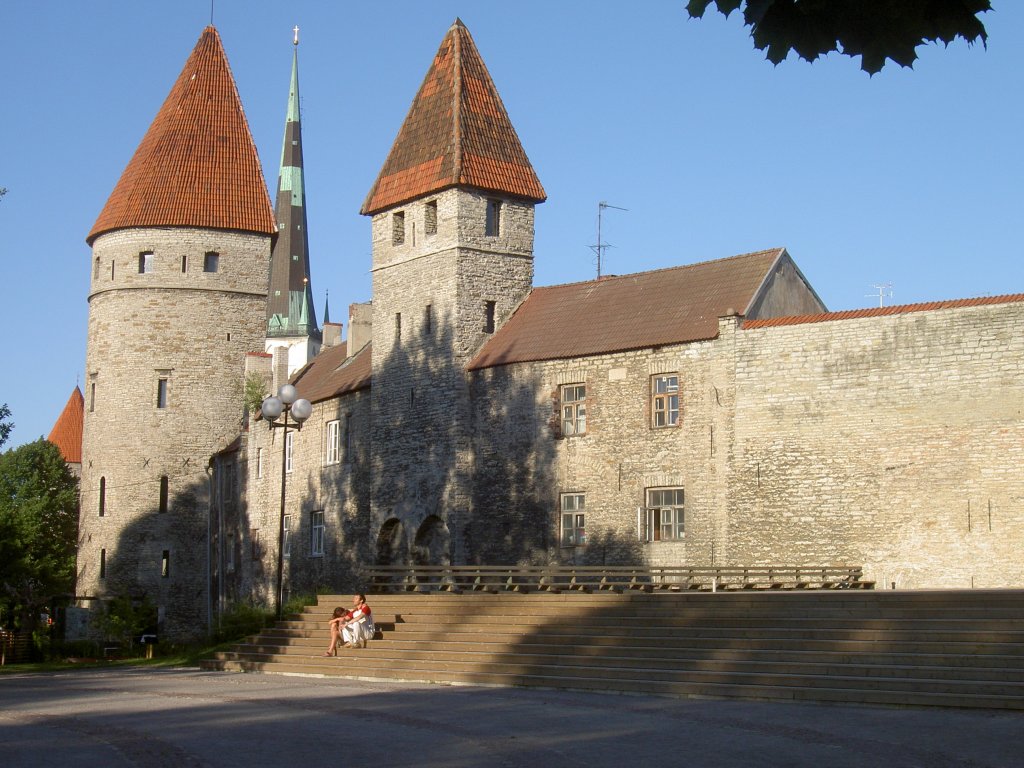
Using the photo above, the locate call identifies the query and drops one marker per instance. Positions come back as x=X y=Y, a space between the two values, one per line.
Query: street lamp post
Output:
x=287 y=402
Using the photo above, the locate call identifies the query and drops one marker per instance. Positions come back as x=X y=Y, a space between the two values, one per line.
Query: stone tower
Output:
x=178 y=295
x=452 y=221
x=291 y=317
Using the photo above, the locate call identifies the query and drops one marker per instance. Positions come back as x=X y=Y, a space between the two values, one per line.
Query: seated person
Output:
x=339 y=617
x=358 y=628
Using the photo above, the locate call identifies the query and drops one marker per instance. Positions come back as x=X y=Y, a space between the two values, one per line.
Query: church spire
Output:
x=290 y=313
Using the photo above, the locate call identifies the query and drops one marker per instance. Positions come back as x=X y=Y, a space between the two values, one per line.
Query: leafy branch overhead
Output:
x=875 y=30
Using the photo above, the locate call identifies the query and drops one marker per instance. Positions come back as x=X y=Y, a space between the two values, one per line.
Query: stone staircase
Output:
x=927 y=648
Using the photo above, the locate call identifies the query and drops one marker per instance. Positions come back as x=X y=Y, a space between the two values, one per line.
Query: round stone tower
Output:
x=178 y=295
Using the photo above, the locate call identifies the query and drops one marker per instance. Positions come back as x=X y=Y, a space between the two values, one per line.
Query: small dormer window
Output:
x=398 y=228
x=211 y=261
x=492 y=224
x=430 y=218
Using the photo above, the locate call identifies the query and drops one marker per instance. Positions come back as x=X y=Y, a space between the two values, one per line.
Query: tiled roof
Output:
x=457 y=133
x=647 y=309
x=332 y=373
x=197 y=165
x=853 y=314
x=67 y=430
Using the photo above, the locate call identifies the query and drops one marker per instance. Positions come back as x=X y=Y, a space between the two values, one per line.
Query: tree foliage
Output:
x=38 y=526
x=875 y=30
x=6 y=425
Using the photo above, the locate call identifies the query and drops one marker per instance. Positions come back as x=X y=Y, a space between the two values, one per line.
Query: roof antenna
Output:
x=600 y=247
x=211 y=12
x=884 y=292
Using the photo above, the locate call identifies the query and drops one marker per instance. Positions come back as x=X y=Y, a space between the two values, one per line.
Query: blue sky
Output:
x=912 y=177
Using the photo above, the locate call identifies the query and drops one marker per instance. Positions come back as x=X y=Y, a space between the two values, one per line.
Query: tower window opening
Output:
x=92 y=397
x=96 y=269
x=428 y=320
x=163 y=494
x=184 y=263
x=398 y=228
x=112 y=270
x=103 y=563
x=103 y=496
x=145 y=262
x=161 y=393
x=211 y=261
x=398 y=327
x=492 y=224
x=489 y=317
x=430 y=218
x=165 y=564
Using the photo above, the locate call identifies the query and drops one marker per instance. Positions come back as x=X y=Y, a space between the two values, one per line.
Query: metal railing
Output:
x=494 y=578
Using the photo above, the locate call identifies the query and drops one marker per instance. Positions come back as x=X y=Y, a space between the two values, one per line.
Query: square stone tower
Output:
x=452 y=220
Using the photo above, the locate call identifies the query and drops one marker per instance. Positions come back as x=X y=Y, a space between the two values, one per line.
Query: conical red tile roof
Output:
x=67 y=430
x=197 y=165
x=457 y=133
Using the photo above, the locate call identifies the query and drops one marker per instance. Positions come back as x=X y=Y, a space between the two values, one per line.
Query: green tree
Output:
x=6 y=425
x=38 y=526
x=875 y=30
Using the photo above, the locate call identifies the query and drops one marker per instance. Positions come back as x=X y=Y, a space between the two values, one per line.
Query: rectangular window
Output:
x=145 y=262
x=492 y=225
x=96 y=269
x=489 y=317
x=289 y=444
x=333 y=442
x=165 y=564
x=184 y=263
x=103 y=496
x=259 y=463
x=664 y=401
x=211 y=261
x=286 y=545
x=430 y=218
x=398 y=228
x=92 y=398
x=161 y=393
x=111 y=270
x=103 y=563
x=316 y=534
x=574 y=532
x=428 y=320
x=574 y=409
x=666 y=519
x=163 y=494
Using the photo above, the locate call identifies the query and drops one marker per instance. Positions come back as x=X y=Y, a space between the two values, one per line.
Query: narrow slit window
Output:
x=184 y=263
x=398 y=326
x=489 y=316
x=163 y=494
x=165 y=564
x=492 y=224
x=103 y=563
x=430 y=218
x=161 y=393
x=398 y=228
x=428 y=320
x=103 y=497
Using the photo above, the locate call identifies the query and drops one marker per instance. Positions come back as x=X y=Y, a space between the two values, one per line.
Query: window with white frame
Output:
x=333 y=455
x=573 y=399
x=316 y=533
x=289 y=444
x=574 y=531
x=664 y=401
x=665 y=515
x=286 y=543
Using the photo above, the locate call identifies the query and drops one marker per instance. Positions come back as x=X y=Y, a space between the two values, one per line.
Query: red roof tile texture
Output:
x=197 y=165
x=853 y=314
x=67 y=430
x=333 y=373
x=457 y=133
x=647 y=309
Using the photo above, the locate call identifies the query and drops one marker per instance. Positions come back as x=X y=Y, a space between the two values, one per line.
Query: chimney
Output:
x=332 y=334
x=360 y=326
x=280 y=367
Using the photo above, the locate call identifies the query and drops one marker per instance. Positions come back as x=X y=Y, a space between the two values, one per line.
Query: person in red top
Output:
x=359 y=627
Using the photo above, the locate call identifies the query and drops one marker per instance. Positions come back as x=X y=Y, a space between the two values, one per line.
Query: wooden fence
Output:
x=493 y=578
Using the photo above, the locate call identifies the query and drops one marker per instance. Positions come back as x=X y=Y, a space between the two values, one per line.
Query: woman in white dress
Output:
x=358 y=629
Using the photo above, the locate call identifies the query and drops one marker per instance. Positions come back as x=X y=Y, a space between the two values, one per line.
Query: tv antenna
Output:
x=601 y=246
x=884 y=292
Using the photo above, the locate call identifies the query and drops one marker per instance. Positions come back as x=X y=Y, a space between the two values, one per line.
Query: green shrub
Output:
x=243 y=619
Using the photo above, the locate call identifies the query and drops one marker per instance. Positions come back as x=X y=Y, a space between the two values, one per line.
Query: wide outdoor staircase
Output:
x=934 y=648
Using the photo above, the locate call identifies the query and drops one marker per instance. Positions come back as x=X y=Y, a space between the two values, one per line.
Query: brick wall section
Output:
x=872 y=440
x=193 y=328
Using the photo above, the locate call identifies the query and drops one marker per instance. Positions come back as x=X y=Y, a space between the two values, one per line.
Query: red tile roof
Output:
x=332 y=373
x=647 y=309
x=457 y=133
x=197 y=165
x=853 y=314
x=67 y=430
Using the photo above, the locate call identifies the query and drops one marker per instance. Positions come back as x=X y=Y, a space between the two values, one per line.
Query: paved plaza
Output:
x=187 y=718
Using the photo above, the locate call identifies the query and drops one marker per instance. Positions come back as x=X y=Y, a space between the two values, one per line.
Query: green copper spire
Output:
x=289 y=309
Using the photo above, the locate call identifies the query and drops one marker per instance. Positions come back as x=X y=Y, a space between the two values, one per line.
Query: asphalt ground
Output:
x=187 y=718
